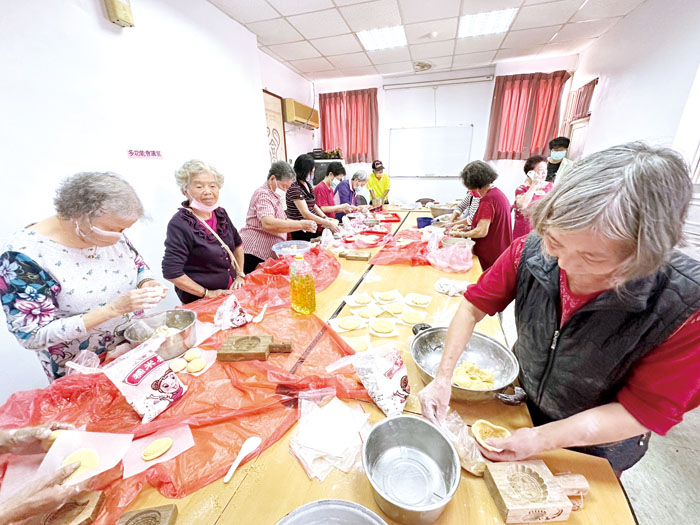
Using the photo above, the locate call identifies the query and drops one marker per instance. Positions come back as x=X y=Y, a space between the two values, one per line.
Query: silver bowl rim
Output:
x=455 y=459
x=369 y=513
x=498 y=343
x=156 y=314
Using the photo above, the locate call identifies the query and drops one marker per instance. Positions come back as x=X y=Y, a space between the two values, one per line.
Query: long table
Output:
x=266 y=489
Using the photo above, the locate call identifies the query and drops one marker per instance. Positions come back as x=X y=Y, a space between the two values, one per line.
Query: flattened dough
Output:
x=395 y=308
x=349 y=323
x=411 y=317
x=363 y=299
x=196 y=365
x=419 y=299
x=387 y=296
x=157 y=448
x=192 y=353
x=483 y=430
x=178 y=364
x=88 y=459
x=383 y=326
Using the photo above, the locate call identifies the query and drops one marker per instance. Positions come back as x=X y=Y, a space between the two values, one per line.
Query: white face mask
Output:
x=280 y=192
x=558 y=155
x=200 y=206
x=98 y=236
x=334 y=183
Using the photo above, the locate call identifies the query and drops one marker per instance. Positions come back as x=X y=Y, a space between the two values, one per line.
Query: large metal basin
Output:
x=413 y=469
x=174 y=345
x=482 y=350
x=332 y=511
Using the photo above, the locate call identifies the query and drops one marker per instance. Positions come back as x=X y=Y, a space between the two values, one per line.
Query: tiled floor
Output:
x=663 y=485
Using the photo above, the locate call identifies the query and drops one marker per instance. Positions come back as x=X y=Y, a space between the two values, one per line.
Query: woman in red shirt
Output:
x=607 y=312
x=534 y=189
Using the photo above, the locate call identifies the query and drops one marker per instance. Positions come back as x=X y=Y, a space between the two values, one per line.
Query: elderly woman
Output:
x=490 y=227
x=203 y=251
x=325 y=196
x=71 y=282
x=606 y=310
x=535 y=188
x=346 y=191
x=266 y=223
x=301 y=202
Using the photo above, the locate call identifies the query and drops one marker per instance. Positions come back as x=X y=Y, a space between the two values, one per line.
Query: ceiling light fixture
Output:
x=486 y=23
x=383 y=38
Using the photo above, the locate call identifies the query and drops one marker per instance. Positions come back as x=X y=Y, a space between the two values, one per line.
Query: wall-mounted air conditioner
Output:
x=299 y=114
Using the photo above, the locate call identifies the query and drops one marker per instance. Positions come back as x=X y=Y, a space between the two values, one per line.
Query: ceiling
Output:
x=317 y=38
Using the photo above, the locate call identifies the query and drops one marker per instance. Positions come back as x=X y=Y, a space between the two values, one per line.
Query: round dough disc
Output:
x=157 y=448
x=363 y=299
x=192 y=353
x=349 y=323
x=420 y=299
x=360 y=346
x=365 y=313
x=178 y=364
x=196 y=365
x=87 y=458
x=411 y=318
x=387 y=296
x=383 y=326
x=395 y=308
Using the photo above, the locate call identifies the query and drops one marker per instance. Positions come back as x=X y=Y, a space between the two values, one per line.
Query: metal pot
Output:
x=482 y=350
x=174 y=345
x=413 y=468
x=325 y=511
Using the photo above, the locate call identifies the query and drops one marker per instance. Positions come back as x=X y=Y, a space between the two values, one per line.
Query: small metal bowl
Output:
x=174 y=345
x=325 y=511
x=482 y=350
x=436 y=211
x=413 y=469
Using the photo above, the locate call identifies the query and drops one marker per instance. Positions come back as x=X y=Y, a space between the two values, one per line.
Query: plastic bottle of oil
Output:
x=302 y=287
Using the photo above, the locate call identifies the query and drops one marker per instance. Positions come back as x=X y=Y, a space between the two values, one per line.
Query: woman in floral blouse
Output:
x=72 y=282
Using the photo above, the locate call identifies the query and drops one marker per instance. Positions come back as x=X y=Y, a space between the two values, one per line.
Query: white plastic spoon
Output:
x=249 y=446
x=260 y=316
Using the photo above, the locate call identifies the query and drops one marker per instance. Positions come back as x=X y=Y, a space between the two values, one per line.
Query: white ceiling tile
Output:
x=277 y=31
x=246 y=11
x=269 y=51
x=595 y=9
x=434 y=49
x=372 y=15
x=420 y=10
x=320 y=24
x=359 y=71
x=545 y=14
x=471 y=7
x=506 y=54
x=418 y=33
x=579 y=30
x=472 y=59
x=348 y=2
x=320 y=75
x=530 y=37
x=531 y=2
x=348 y=61
x=295 y=50
x=438 y=63
x=311 y=65
x=396 y=67
x=570 y=47
x=295 y=7
x=337 y=45
x=474 y=44
x=385 y=56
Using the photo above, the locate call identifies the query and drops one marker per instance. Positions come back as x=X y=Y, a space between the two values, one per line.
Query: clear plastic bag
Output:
x=457 y=432
x=454 y=259
x=85 y=362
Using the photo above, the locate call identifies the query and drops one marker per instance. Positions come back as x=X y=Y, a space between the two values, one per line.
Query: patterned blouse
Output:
x=46 y=287
x=257 y=241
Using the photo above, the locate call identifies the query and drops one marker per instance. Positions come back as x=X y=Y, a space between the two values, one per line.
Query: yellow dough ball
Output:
x=196 y=365
x=469 y=375
x=178 y=364
x=192 y=353
x=88 y=460
x=157 y=448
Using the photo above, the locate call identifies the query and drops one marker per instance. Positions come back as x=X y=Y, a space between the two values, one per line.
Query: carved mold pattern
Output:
x=149 y=517
x=65 y=514
x=528 y=486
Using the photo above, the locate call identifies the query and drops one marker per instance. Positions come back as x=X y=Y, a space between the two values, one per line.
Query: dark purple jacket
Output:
x=191 y=249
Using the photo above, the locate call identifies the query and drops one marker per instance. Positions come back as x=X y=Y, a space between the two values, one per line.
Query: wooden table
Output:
x=265 y=490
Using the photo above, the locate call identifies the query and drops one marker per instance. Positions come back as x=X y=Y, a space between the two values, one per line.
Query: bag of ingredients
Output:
x=383 y=373
x=230 y=314
x=145 y=380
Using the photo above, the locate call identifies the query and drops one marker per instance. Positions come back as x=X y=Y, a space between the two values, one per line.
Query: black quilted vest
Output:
x=586 y=362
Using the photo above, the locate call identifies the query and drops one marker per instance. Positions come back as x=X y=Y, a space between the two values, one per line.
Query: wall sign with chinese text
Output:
x=277 y=142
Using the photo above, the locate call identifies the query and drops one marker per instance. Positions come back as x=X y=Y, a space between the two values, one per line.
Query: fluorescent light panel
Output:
x=486 y=23
x=383 y=38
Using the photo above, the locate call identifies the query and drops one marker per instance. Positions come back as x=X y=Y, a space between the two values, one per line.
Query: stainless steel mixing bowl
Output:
x=174 y=345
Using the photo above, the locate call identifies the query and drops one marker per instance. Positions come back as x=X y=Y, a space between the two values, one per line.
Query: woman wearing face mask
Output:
x=203 y=251
x=301 y=202
x=324 y=192
x=73 y=281
x=266 y=223
x=491 y=228
x=535 y=188
x=346 y=191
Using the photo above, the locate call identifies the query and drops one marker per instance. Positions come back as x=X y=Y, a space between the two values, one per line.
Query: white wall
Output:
x=646 y=63
x=77 y=92
x=282 y=81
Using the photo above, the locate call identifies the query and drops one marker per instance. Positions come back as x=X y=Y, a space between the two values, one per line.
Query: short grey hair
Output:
x=360 y=175
x=635 y=193
x=281 y=170
x=95 y=194
x=184 y=175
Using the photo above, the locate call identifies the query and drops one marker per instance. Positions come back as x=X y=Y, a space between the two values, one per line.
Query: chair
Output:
x=425 y=200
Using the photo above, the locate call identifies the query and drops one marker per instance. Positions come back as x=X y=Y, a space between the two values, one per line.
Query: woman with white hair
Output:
x=346 y=191
x=203 y=250
x=607 y=311
x=73 y=281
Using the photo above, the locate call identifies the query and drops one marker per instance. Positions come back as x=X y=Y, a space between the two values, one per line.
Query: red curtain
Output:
x=524 y=112
x=350 y=121
x=579 y=103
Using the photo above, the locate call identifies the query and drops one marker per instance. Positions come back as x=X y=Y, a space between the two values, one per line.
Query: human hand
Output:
x=143 y=298
x=216 y=293
x=41 y=495
x=332 y=226
x=435 y=399
x=156 y=285
x=308 y=226
x=238 y=282
x=346 y=208
x=29 y=440
x=521 y=444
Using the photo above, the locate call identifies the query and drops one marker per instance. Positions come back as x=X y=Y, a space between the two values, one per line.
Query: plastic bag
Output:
x=469 y=454
x=230 y=314
x=85 y=362
x=456 y=258
x=395 y=252
x=326 y=239
x=384 y=375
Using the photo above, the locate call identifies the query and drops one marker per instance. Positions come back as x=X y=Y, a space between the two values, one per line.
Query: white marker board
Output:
x=440 y=151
